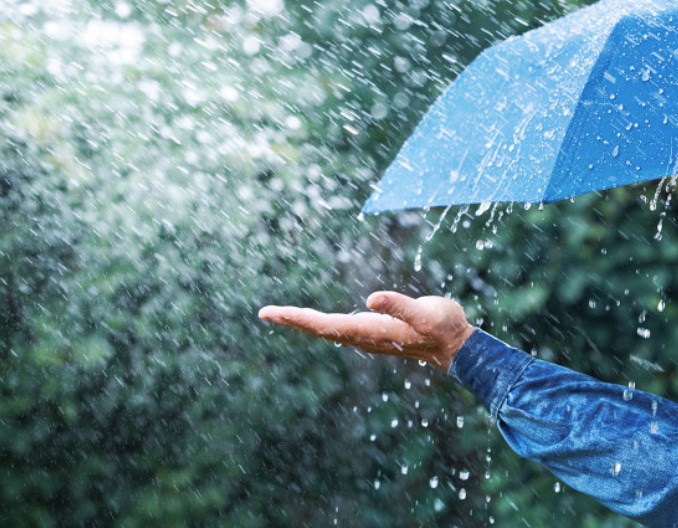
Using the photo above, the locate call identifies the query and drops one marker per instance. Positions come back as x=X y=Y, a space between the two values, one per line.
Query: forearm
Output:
x=622 y=451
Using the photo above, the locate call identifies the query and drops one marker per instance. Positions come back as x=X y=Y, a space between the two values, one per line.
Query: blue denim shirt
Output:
x=615 y=444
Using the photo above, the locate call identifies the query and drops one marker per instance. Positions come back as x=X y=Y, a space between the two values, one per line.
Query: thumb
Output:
x=396 y=305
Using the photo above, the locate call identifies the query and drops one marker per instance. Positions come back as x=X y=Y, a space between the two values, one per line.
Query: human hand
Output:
x=431 y=328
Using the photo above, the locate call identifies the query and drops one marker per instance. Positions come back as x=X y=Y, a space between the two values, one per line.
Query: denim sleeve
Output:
x=618 y=445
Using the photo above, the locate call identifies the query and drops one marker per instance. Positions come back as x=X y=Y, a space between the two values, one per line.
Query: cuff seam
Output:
x=500 y=401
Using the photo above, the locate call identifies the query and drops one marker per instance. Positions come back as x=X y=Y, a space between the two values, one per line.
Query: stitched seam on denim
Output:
x=495 y=412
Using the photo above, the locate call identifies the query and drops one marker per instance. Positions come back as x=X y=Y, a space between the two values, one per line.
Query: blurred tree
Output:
x=170 y=166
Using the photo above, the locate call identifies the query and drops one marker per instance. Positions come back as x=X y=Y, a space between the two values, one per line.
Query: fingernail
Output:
x=379 y=303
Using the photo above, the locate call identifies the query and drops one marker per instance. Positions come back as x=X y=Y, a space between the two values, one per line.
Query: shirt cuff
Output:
x=488 y=368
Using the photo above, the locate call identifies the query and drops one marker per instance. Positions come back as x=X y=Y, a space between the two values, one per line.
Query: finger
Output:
x=354 y=329
x=396 y=305
x=271 y=313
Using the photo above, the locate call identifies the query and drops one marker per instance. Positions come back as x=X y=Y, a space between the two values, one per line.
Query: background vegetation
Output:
x=167 y=167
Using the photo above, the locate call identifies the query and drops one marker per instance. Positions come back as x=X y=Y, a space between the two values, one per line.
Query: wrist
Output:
x=453 y=346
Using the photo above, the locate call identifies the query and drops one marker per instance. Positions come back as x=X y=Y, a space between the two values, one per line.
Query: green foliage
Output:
x=168 y=167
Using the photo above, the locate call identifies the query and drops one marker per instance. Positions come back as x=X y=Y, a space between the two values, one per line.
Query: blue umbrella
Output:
x=585 y=103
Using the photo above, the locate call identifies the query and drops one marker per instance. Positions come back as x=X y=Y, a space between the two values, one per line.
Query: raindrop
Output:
x=404 y=470
x=460 y=422
x=455 y=224
x=394 y=423
x=643 y=332
x=433 y=482
x=616 y=469
x=661 y=305
x=379 y=111
x=422 y=363
x=556 y=487
x=462 y=494
x=408 y=384
x=436 y=227
x=660 y=227
x=483 y=208
x=464 y=474
x=377 y=484
x=373 y=437
x=417 y=261
x=371 y=14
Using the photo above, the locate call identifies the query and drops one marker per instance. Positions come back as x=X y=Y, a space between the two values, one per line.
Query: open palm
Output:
x=428 y=328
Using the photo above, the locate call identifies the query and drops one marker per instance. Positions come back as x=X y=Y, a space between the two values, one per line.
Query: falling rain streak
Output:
x=167 y=167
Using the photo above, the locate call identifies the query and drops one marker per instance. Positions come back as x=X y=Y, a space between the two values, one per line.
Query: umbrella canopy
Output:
x=584 y=103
